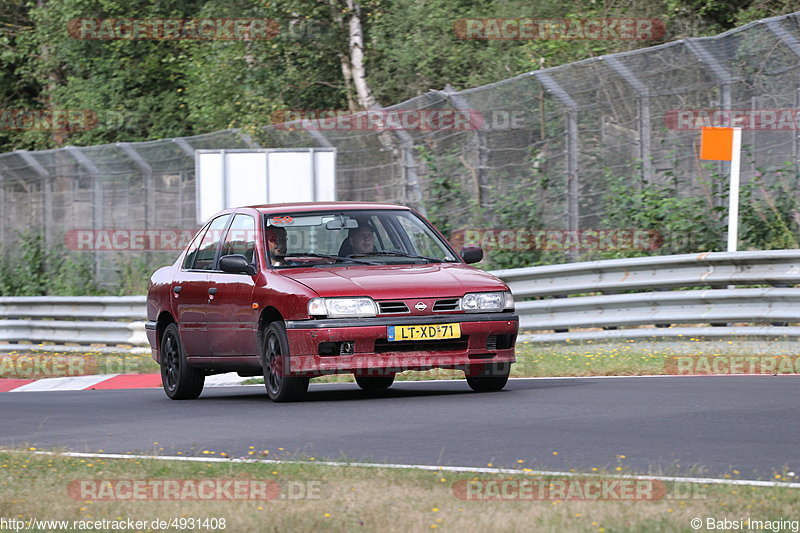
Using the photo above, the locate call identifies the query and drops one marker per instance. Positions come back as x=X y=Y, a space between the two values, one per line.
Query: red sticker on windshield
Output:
x=279 y=221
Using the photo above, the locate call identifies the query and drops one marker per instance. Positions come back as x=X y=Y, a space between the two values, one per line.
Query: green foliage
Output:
x=148 y=89
x=455 y=209
x=31 y=268
x=769 y=210
x=685 y=221
x=134 y=272
x=769 y=213
x=34 y=269
x=449 y=206
x=520 y=207
x=241 y=84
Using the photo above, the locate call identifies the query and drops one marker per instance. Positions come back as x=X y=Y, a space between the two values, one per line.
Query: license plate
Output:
x=429 y=332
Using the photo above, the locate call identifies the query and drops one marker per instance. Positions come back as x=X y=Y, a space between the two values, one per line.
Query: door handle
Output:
x=177 y=288
x=212 y=290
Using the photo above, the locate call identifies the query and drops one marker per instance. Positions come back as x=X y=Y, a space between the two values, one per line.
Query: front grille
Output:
x=444 y=345
x=446 y=305
x=392 y=307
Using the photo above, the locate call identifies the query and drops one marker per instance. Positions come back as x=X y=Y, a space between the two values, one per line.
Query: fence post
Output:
x=3 y=211
x=44 y=176
x=147 y=175
x=725 y=79
x=572 y=145
x=323 y=141
x=793 y=45
x=413 y=191
x=481 y=150
x=97 y=196
x=189 y=151
x=643 y=109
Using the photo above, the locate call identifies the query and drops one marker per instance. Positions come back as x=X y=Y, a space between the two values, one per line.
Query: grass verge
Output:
x=588 y=358
x=313 y=497
x=33 y=364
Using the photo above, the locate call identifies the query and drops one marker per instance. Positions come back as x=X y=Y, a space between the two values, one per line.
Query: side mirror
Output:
x=472 y=254
x=236 y=264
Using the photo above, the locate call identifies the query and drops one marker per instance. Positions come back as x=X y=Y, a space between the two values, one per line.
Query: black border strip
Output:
x=400 y=320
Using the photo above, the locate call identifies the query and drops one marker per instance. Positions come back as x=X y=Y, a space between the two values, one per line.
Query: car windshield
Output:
x=350 y=237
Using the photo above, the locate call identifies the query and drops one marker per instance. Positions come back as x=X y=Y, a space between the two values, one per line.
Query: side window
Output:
x=382 y=239
x=241 y=237
x=193 y=246
x=420 y=238
x=204 y=259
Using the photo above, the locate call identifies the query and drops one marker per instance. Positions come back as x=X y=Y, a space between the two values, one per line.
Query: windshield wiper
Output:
x=328 y=256
x=401 y=254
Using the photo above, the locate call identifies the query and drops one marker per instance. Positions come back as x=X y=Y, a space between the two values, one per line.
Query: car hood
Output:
x=397 y=281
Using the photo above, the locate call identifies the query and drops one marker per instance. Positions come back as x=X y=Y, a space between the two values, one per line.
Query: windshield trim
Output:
x=366 y=212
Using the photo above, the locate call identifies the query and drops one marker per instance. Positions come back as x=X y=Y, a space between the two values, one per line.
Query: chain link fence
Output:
x=560 y=149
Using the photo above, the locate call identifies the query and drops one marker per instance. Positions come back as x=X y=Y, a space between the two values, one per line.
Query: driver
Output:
x=276 y=244
x=362 y=239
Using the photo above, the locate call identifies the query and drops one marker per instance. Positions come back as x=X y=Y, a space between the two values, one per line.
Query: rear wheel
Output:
x=493 y=377
x=180 y=381
x=280 y=387
x=375 y=383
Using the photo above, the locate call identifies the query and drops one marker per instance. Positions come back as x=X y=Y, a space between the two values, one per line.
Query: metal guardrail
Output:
x=750 y=294
x=659 y=293
x=88 y=307
x=81 y=320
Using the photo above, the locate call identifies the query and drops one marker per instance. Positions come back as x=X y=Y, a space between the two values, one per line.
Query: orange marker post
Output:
x=725 y=144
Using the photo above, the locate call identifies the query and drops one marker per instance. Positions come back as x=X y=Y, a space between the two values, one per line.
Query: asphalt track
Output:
x=701 y=426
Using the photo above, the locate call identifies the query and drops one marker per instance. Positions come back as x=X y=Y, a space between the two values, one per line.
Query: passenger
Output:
x=360 y=240
x=276 y=244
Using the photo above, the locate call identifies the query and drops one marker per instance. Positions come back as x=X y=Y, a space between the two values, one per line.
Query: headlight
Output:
x=342 y=307
x=475 y=302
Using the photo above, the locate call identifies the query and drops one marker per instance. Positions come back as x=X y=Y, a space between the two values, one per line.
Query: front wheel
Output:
x=493 y=377
x=180 y=381
x=375 y=383
x=280 y=387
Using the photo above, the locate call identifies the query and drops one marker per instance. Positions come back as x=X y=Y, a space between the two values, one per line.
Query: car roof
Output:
x=322 y=206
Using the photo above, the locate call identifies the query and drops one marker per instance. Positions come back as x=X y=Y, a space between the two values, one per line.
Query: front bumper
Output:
x=485 y=338
x=151 y=328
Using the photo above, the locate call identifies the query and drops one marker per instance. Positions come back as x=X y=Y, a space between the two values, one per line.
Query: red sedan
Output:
x=295 y=291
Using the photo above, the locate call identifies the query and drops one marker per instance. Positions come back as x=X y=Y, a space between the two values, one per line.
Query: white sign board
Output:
x=235 y=178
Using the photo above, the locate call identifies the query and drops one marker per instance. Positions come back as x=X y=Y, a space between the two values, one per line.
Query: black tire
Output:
x=180 y=381
x=493 y=377
x=275 y=363
x=375 y=383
